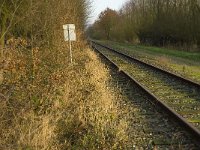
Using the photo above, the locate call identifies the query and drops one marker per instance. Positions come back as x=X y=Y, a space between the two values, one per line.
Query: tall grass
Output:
x=48 y=103
x=62 y=107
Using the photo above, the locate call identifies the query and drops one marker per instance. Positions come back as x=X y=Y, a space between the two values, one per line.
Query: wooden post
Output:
x=70 y=45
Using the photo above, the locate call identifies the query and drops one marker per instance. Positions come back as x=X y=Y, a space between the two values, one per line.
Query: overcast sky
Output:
x=99 y=5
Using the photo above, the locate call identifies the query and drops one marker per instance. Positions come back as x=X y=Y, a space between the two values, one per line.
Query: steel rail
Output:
x=152 y=66
x=190 y=128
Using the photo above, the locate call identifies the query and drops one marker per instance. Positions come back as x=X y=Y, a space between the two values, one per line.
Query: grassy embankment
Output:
x=184 y=63
x=45 y=102
x=63 y=107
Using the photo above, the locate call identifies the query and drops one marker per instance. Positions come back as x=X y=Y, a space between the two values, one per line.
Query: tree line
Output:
x=155 y=22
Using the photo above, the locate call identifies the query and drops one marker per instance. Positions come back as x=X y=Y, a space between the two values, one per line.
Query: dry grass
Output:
x=92 y=121
x=48 y=104
x=163 y=60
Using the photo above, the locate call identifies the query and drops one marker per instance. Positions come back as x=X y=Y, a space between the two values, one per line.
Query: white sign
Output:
x=69 y=32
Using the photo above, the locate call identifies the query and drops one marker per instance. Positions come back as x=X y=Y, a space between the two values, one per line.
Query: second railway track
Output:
x=183 y=97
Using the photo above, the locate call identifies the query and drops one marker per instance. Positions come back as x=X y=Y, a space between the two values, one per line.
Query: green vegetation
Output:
x=176 y=53
x=195 y=56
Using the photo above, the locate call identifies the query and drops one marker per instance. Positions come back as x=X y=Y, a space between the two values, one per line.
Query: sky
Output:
x=99 y=5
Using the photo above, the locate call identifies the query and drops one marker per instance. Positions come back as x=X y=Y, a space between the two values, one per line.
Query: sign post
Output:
x=69 y=35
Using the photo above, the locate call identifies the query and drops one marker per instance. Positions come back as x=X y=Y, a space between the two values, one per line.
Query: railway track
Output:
x=179 y=98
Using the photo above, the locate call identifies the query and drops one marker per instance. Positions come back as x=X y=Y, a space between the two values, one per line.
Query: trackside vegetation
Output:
x=183 y=63
x=193 y=56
